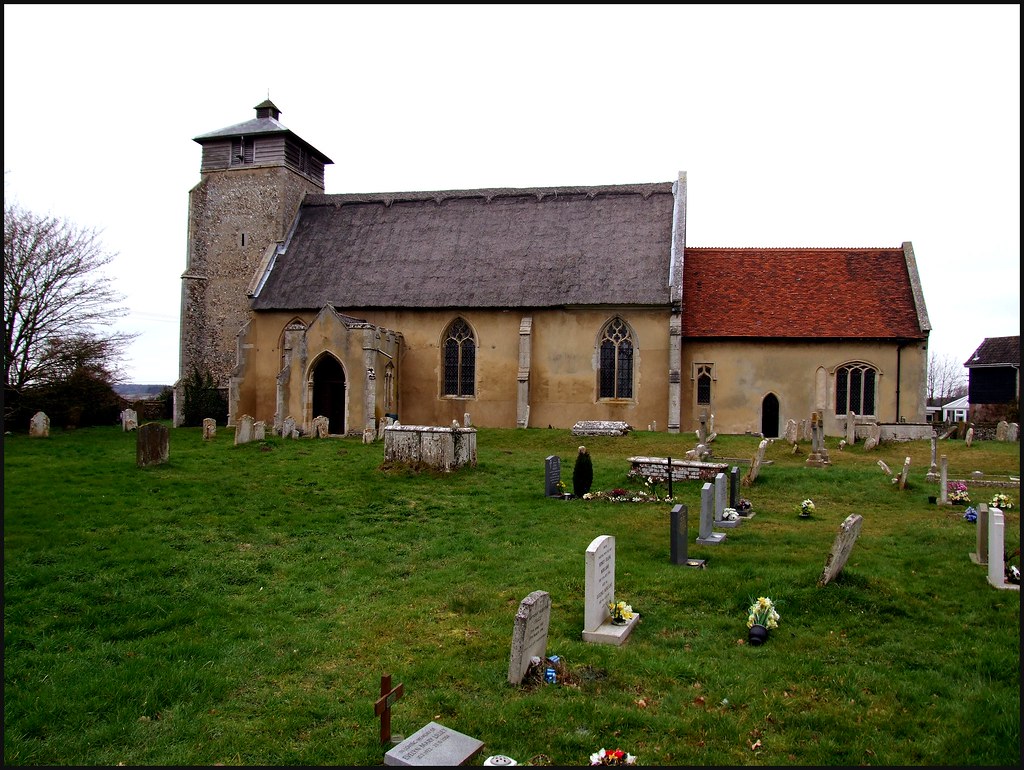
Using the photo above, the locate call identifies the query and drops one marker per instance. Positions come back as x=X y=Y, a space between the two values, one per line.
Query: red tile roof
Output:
x=800 y=293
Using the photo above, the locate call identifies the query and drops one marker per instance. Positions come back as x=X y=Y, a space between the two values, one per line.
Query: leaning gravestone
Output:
x=904 y=472
x=209 y=428
x=434 y=746
x=600 y=592
x=151 y=444
x=841 y=548
x=552 y=475
x=529 y=634
x=755 y=464
x=39 y=425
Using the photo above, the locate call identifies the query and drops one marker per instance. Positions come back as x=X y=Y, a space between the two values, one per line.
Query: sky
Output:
x=796 y=125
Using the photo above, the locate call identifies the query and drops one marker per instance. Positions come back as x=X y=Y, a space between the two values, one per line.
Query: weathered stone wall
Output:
x=234 y=216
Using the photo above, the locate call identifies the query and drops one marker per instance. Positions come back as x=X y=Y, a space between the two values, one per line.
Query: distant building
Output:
x=993 y=380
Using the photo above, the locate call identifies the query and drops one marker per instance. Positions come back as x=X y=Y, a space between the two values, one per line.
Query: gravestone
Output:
x=885 y=468
x=529 y=634
x=209 y=428
x=851 y=428
x=970 y=436
x=289 y=429
x=1012 y=432
x=706 y=535
x=841 y=548
x=1002 y=430
x=679 y=531
x=129 y=420
x=933 y=468
x=996 y=554
x=39 y=425
x=320 y=426
x=151 y=444
x=818 y=456
x=943 y=480
x=980 y=556
x=259 y=430
x=755 y=464
x=552 y=475
x=904 y=472
x=600 y=592
x=243 y=433
x=434 y=745
x=734 y=486
x=720 y=501
x=873 y=438
x=790 y=434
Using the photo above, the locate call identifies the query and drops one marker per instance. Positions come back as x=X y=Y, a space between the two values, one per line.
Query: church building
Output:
x=524 y=308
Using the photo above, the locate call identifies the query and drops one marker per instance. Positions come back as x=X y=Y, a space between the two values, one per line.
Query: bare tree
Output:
x=58 y=306
x=947 y=377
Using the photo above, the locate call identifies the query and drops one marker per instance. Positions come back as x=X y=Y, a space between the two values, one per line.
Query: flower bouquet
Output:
x=730 y=514
x=621 y=613
x=761 y=618
x=807 y=508
x=613 y=757
x=958 y=492
x=971 y=514
x=1001 y=501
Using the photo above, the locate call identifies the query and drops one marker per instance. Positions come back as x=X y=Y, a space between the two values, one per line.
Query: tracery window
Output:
x=615 y=375
x=459 y=365
x=855 y=389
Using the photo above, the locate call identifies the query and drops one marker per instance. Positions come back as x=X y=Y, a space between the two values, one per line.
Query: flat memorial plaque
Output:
x=434 y=745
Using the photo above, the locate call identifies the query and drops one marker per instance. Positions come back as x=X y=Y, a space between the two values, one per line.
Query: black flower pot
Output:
x=758 y=635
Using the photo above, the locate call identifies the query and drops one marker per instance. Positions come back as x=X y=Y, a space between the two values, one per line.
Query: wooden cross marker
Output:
x=382 y=708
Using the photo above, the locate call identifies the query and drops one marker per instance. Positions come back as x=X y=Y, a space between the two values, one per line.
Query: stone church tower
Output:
x=254 y=175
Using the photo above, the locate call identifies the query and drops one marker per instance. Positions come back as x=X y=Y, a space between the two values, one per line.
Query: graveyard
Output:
x=308 y=601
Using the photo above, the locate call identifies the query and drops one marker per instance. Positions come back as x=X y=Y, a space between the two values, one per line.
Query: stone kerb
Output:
x=682 y=470
x=529 y=634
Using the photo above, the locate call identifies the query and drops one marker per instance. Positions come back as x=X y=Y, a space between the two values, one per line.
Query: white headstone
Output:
x=434 y=746
x=600 y=592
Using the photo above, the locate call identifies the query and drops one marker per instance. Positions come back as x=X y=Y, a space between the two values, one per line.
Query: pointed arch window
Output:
x=855 y=389
x=704 y=378
x=459 y=350
x=615 y=376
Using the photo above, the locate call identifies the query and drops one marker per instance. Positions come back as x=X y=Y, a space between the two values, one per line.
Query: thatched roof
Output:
x=497 y=248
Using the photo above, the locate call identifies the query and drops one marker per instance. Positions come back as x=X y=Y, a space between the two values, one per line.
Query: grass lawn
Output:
x=239 y=605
